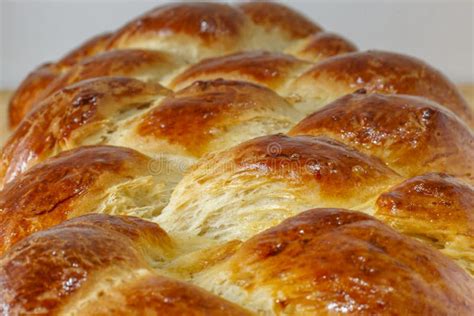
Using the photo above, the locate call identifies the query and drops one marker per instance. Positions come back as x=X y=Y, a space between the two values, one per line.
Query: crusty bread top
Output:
x=168 y=168
x=321 y=261
x=410 y=134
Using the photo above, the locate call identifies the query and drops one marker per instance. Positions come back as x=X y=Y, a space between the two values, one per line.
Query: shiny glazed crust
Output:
x=410 y=134
x=214 y=159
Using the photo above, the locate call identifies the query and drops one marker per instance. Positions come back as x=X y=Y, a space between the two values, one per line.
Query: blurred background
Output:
x=440 y=32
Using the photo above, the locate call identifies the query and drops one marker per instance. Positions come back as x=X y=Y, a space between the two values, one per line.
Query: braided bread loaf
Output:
x=209 y=159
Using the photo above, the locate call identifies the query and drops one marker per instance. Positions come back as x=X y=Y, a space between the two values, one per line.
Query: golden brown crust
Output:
x=32 y=88
x=339 y=170
x=210 y=22
x=158 y=295
x=266 y=68
x=134 y=63
x=236 y=193
x=436 y=208
x=91 y=47
x=436 y=198
x=72 y=256
x=271 y=15
x=133 y=228
x=337 y=261
x=323 y=45
x=47 y=194
x=412 y=135
x=29 y=91
x=231 y=215
x=384 y=72
x=202 y=112
x=87 y=106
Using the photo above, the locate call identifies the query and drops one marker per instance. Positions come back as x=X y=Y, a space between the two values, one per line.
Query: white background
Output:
x=440 y=32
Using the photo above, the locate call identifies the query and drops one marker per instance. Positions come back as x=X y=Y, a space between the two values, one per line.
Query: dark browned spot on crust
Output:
x=442 y=201
x=355 y=264
x=270 y=15
x=69 y=109
x=201 y=112
x=412 y=135
x=270 y=69
x=211 y=22
x=385 y=72
x=324 y=44
x=68 y=256
x=45 y=195
x=339 y=170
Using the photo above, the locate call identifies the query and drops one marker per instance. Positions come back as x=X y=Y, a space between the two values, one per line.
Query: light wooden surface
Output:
x=466 y=89
x=4 y=97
